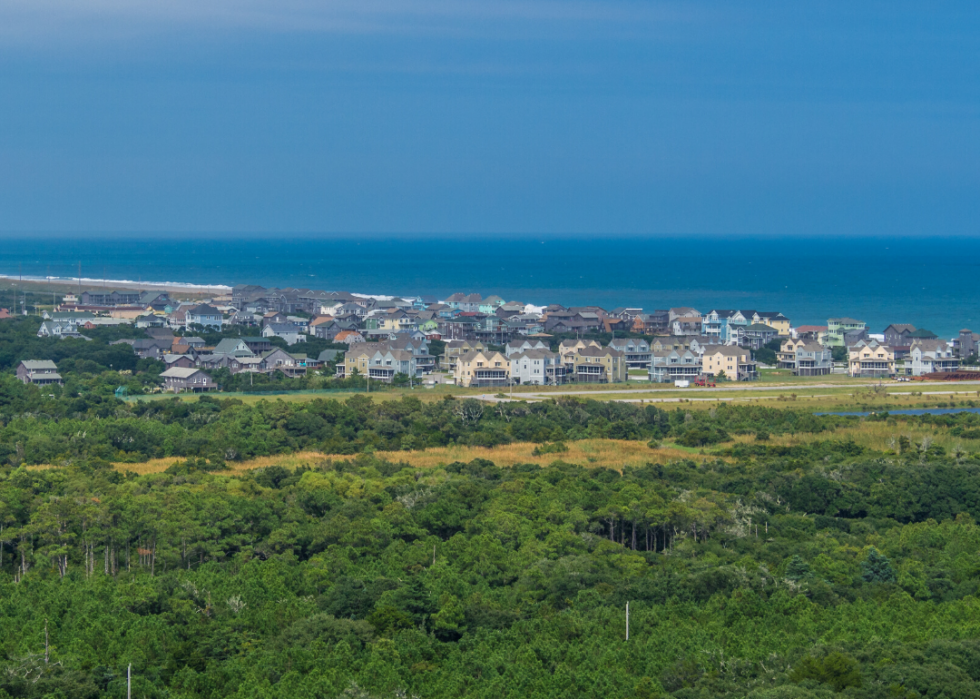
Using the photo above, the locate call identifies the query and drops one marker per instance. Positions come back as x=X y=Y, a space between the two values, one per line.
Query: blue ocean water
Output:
x=931 y=283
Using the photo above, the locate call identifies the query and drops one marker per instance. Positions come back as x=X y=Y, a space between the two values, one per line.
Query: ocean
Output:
x=931 y=283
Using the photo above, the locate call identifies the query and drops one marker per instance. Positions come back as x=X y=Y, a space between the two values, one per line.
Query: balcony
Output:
x=555 y=374
x=664 y=374
x=639 y=360
x=590 y=373
x=490 y=377
x=380 y=373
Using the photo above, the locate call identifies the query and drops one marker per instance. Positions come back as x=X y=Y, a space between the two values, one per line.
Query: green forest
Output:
x=754 y=570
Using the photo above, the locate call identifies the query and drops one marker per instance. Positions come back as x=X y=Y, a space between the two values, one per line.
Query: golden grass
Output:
x=880 y=436
x=608 y=453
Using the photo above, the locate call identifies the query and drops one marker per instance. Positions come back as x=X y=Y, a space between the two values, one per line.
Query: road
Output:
x=694 y=393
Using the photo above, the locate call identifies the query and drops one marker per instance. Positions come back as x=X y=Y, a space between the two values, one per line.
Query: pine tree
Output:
x=876 y=568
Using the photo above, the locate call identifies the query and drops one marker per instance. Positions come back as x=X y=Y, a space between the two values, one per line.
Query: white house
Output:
x=206 y=315
x=517 y=346
x=930 y=356
x=287 y=331
x=537 y=366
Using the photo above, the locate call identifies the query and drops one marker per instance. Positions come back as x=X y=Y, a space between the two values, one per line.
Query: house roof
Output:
x=472 y=354
x=761 y=327
x=179 y=372
x=282 y=328
x=38 y=364
x=922 y=334
x=727 y=350
x=929 y=345
x=534 y=354
x=233 y=346
x=344 y=334
x=520 y=343
x=161 y=343
x=846 y=321
x=811 y=328
x=204 y=309
x=599 y=352
x=901 y=327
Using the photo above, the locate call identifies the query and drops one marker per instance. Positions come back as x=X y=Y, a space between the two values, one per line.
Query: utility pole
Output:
x=627 y=621
x=79 y=279
x=129 y=681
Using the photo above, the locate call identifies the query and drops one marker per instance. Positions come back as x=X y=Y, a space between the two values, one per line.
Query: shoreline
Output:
x=87 y=282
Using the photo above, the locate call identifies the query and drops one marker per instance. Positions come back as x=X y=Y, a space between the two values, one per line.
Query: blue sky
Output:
x=455 y=116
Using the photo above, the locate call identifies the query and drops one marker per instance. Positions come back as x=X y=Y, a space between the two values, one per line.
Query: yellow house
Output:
x=481 y=368
x=569 y=348
x=357 y=357
x=777 y=321
x=455 y=348
x=735 y=362
x=871 y=360
x=598 y=365
x=786 y=356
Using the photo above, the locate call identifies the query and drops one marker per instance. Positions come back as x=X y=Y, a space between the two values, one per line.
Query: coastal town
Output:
x=469 y=340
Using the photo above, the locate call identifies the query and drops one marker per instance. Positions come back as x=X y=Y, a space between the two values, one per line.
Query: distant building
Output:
x=567 y=349
x=871 y=360
x=537 y=367
x=287 y=331
x=673 y=363
x=967 y=343
x=815 y=333
x=110 y=298
x=206 y=315
x=523 y=345
x=758 y=335
x=686 y=325
x=656 y=323
x=774 y=320
x=482 y=368
x=348 y=337
x=735 y=362
x=899 y=334
x=181 y=361
x=930 y=356
x=837 y=328
x=805 y=358
x=454 y=349
x=40 y=372
x=636 y=351
x=180 y=379
x=598 y=365
x=59 y=329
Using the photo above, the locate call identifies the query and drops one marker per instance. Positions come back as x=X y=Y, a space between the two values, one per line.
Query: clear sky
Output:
x=451 y=116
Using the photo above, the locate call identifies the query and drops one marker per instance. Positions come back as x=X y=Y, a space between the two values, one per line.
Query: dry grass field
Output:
x=609 y=453
x=880 y=436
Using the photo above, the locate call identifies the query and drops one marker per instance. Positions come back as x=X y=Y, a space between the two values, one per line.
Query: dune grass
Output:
x=590 y=453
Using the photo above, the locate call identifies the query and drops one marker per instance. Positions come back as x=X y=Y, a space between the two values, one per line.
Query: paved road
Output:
x=694 y=393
